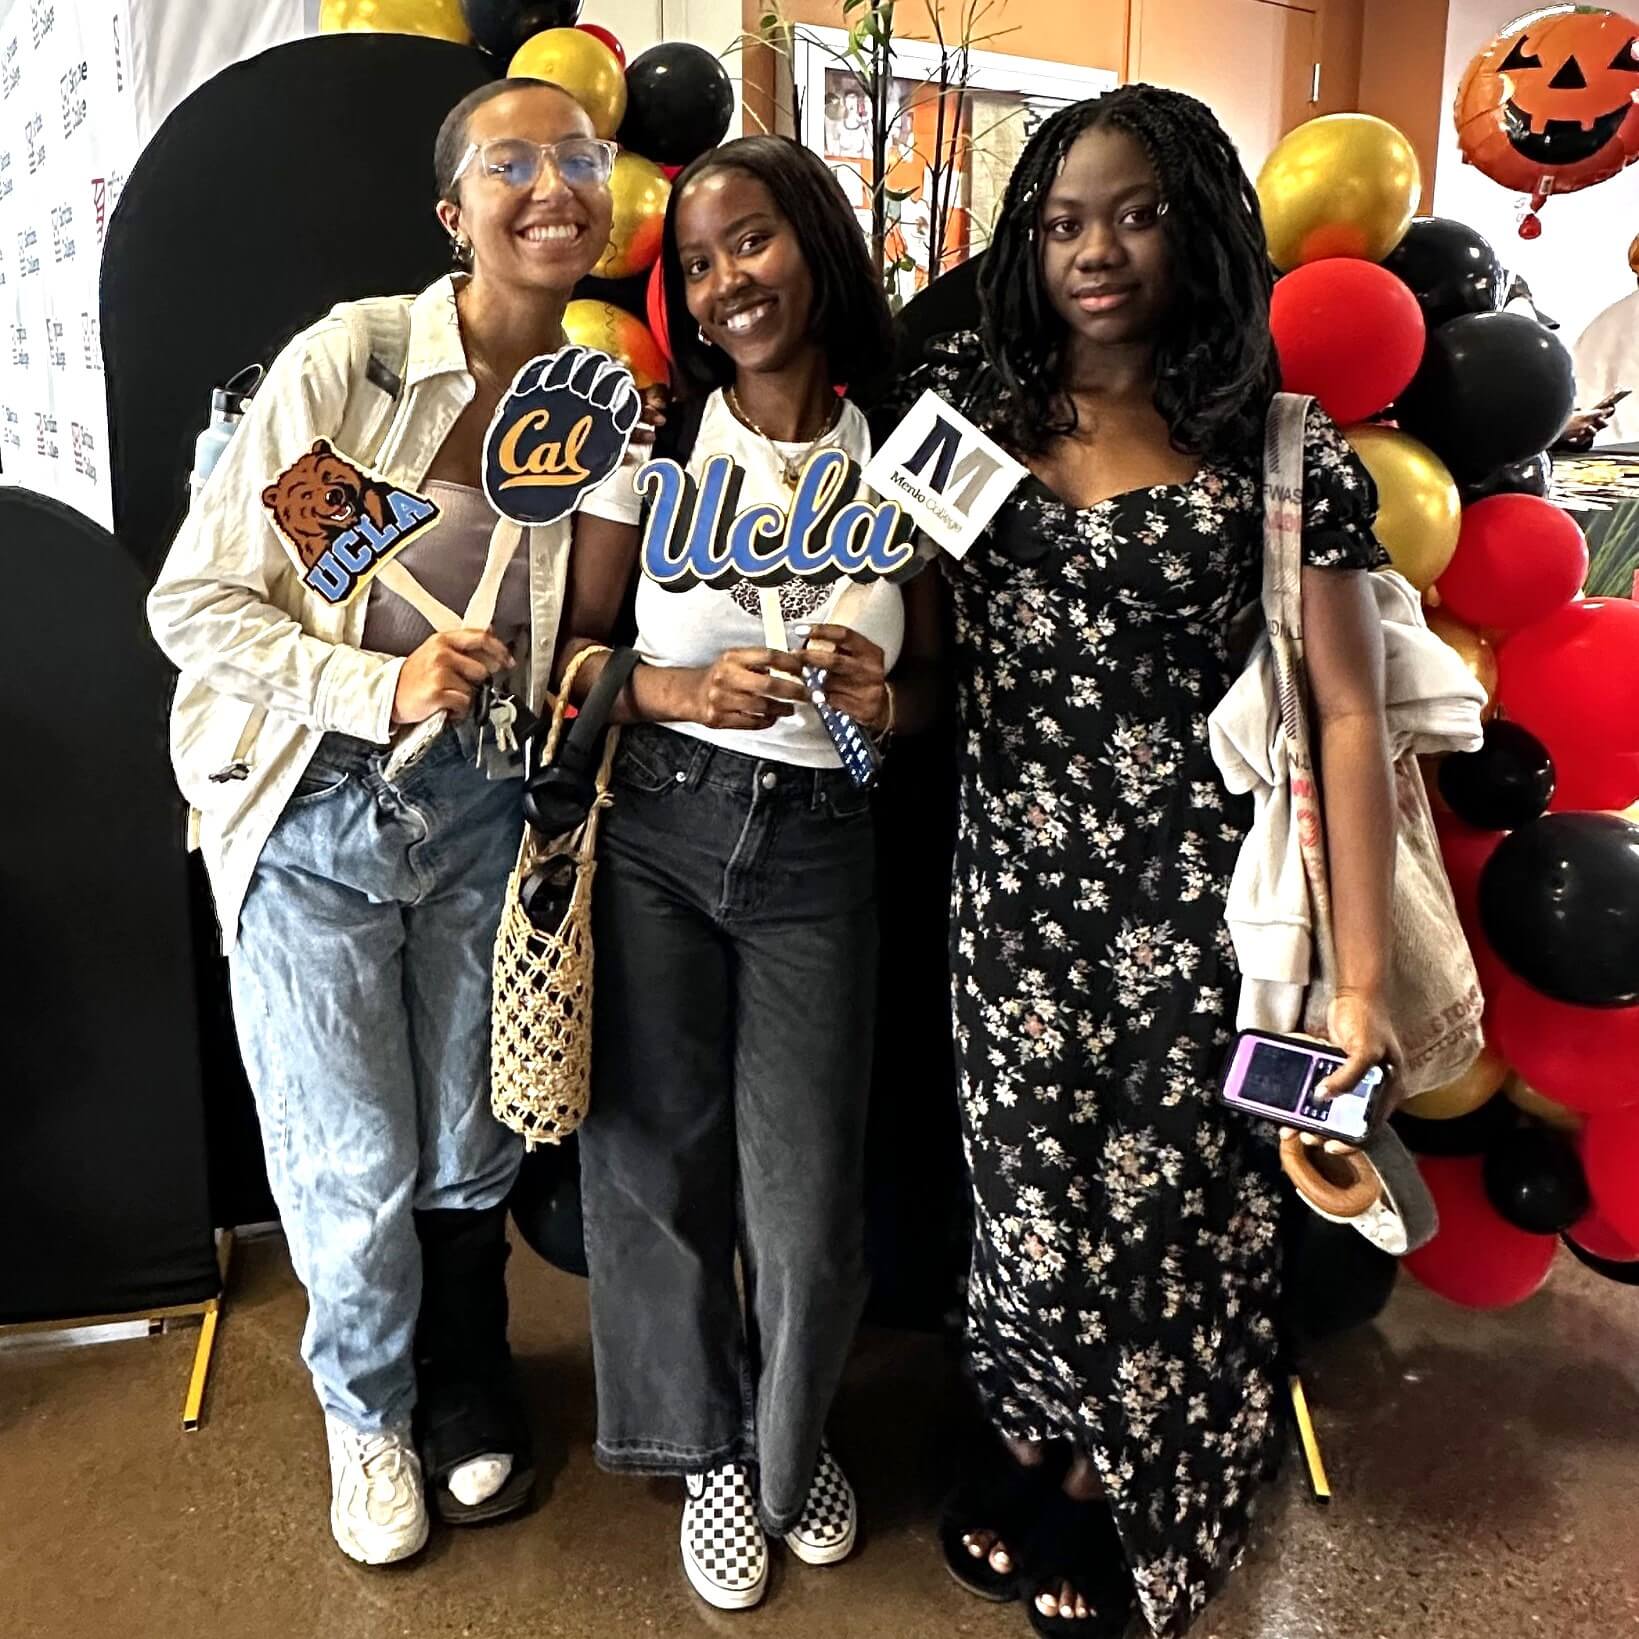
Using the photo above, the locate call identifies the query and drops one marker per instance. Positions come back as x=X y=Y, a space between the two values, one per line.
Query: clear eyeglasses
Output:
x=583 y=162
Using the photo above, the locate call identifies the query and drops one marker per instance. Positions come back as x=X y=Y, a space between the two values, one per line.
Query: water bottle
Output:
x=227 y=410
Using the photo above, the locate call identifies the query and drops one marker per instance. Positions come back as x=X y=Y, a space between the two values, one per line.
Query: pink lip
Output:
x=1101 y=301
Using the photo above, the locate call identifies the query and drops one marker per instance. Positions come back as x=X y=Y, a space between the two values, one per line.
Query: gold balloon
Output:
x=1342 y=185
x=1464 y=1095
x=583 y=65
x=640 y=191
x=1532 y=1102
x=1476 y=653
x=622 y=336
x=1419 y=508
x=437 y=19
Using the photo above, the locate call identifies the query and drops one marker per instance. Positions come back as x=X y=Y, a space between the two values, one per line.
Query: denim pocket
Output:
x=317 y=782
x=635 y=771
x=846 y=802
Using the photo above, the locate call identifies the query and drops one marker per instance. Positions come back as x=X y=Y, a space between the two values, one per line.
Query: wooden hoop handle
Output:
x=1343 y=1186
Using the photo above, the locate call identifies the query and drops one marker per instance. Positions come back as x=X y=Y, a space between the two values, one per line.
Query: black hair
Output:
x=850 y=318
x=450 y=148
x=1215 y=363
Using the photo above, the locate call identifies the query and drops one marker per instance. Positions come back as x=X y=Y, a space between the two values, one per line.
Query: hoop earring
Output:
x=460 y=251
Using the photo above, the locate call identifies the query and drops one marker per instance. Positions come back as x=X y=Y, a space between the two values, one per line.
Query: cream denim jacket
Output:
x=267 y=666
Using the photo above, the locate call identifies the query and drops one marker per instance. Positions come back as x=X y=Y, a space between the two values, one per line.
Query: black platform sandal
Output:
x=468 y=1403
x=1077 y=1543
x=1003 y=1497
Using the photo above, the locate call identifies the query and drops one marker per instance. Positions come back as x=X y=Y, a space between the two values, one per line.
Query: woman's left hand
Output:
x=1358 y=1022
x=656 y=402
x=855 y=680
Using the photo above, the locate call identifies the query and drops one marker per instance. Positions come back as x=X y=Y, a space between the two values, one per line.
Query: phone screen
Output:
x=1278 y=1079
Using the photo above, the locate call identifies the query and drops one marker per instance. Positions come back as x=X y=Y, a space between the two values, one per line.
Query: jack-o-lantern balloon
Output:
x=1552 y=104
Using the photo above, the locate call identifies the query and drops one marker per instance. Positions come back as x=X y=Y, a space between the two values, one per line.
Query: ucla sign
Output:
x=697 y=534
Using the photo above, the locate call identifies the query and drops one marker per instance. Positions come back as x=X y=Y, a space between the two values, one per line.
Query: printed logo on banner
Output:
x=84 y=446
x=19 y=345
x=951 y=477
x=11 y=429
x=42 y=18
x=45 y=435
x=339 y=522
x=5 y=175
x=119 y=55
x=34 y=132
x=91 y=341
x=62 y=241
x=11 y=68
x=694 y=536
x=56 y=353
x=72 y=87
x=562 y=428
x=105 y=195
x=28 y=253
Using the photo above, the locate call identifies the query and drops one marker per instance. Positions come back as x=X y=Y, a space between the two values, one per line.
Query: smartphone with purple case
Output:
x=1275 y=1077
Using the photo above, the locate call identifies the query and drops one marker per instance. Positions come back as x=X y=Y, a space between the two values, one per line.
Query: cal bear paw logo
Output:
x=559 y=432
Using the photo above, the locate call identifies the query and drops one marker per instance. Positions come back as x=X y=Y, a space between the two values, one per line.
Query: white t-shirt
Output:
x=692 y=628
x=1607 y=357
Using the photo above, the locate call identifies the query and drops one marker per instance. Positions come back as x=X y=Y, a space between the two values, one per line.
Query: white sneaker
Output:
x=725 y=1553
x=378 y=1512
x=830 y=1518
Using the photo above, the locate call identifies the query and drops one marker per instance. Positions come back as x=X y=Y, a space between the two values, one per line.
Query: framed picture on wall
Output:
x=950 y=150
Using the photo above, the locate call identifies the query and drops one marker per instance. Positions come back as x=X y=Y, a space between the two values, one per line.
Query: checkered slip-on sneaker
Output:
x=830 y=1519
x=725 y=1554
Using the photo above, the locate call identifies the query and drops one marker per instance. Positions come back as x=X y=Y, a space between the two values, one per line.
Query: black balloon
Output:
x=1471 y=1134
x=1506 y=783
x=1559 y=901
x=1332 y=1278
x=1450 y=269
x=679 y=100
x=1493 y=388
x=1624 y=1272
x=501 y=26
x=1534 y=1179
x=1532 y=476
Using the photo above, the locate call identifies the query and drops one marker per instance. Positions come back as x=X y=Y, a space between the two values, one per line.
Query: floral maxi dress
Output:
x=1125 y=1269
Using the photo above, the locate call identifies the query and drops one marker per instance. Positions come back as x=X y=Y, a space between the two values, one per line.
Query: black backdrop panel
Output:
x=284 y=185
x=102 y=1169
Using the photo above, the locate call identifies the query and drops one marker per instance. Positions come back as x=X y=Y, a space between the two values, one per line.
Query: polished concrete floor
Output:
x=1486 y=1470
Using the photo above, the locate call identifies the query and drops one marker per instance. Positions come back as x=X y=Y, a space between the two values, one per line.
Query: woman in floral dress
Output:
x=1125 y=1277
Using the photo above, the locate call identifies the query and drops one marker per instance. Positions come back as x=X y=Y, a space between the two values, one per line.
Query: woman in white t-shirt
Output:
x=735 y=904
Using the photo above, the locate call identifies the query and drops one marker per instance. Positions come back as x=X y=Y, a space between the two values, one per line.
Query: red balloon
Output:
x=1465 y=851
x=655 y=306
x=1477 y=1258
x=1586 y=1058
x=1594 y=1235
x=673 y=172
x=1610 y=1157
x=1573 y=679
x=598 y=32
x=1518 y=559
x=1349 y=333
x=1585 y=779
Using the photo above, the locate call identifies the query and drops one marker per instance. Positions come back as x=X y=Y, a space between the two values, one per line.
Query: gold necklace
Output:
x=790 y=465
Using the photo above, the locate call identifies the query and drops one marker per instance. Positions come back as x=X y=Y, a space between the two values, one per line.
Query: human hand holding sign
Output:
x=742 y=688
x=561 y=429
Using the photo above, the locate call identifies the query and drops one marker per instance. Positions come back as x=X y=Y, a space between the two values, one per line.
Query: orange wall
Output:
x=1402 y=74
x=1088 y=33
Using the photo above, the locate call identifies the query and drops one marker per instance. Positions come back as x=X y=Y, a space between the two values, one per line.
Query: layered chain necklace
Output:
x=790 y=465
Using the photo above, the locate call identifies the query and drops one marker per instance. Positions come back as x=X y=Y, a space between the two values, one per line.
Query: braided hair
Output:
x=1215 y=365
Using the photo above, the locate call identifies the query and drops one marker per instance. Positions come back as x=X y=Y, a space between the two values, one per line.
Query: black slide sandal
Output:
x=1001 y=1496
x=1077 y=1542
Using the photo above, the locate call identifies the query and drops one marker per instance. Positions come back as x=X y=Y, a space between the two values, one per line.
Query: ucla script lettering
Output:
x=695 y=536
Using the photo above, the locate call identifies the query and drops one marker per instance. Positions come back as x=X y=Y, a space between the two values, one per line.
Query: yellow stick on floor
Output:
x=1318 y=1482
x=193 y=1403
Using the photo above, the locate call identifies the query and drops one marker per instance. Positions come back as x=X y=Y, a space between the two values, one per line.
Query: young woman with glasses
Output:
x=359 y=902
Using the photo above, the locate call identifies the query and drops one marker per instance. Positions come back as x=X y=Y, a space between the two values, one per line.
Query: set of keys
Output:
x=503 y=722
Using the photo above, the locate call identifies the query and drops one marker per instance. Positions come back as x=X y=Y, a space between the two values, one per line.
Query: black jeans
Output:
x=735 y=911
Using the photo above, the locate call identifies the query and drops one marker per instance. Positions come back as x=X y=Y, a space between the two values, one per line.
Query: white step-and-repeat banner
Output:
x=83 y=84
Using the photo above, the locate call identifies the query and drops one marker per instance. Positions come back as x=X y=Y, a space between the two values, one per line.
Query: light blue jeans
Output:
x=361 y=990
